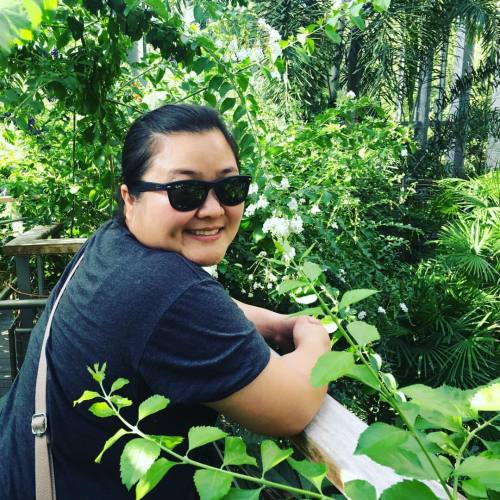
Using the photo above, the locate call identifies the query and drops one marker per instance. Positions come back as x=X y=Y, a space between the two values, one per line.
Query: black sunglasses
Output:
x=191 y=194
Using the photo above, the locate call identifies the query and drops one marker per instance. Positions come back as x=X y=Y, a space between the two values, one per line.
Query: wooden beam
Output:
x=7 y=199
x=36 y=233
x=331 y=438
x=44 y=246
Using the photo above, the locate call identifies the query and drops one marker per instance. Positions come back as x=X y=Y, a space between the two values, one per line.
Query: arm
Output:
x=281 y=400
x=273 y=326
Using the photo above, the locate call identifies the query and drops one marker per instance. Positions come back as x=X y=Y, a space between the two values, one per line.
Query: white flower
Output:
x=275 y=74
x=250 y=294
x=288 y=252
x=275 y=51
x=250 y=210
x=403 y=306
x=254 y=187
x=361 y=315
x=350 y=94
x=404 y=152
x=296 y=224
x=315 y=209
x=262 y=22
x=284 y=184
x=262 y=202
x=256 y=54
x=381 y=310
x=302 y=200
x=274 y=35
x=250 y=277
x=220 y=44
x=277 y=226
x=334 y=225
x=292 y=204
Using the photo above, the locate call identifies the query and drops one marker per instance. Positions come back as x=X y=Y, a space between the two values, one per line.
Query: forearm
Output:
x=263 y=319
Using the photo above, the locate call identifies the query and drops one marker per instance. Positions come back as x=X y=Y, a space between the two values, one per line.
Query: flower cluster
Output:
x=262 y=202
x=281 y=227
x=274 y=38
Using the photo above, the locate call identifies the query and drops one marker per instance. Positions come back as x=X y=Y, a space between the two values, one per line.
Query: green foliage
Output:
x=142 y=465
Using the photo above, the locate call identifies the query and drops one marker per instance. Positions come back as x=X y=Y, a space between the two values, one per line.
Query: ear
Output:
x=128 y=201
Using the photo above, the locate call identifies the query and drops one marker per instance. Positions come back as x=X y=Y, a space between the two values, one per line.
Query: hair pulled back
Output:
x=168 y=119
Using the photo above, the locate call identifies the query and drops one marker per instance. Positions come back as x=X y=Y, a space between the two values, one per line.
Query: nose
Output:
x=211 y=206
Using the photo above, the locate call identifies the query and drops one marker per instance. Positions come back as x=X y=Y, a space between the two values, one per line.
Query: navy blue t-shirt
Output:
x=156 y=319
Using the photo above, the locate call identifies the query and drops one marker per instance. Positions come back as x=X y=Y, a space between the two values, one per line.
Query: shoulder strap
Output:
x=44 y=469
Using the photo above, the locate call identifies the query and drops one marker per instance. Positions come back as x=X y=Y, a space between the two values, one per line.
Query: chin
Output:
x=206 y=261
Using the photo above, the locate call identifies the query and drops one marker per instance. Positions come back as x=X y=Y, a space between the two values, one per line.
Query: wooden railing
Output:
x=330 y=438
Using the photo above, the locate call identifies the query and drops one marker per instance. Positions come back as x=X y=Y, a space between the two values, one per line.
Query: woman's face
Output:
x=201 y=235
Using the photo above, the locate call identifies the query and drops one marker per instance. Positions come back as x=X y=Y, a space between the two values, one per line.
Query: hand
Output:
x=310 y=330
x=281 y=332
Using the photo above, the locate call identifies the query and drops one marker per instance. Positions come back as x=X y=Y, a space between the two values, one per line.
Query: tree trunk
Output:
x=459 y=107
x=400 y=91
x=354 y=70
x=334 y=77
x=424 y=100
x=493 y=152
x=443 y=62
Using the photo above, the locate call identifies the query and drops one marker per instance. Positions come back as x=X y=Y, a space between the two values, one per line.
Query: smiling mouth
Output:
x=204 y=232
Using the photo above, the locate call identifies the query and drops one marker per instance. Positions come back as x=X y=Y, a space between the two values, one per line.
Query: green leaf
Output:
x=110 y=442
x=331 y=366
x=225 y=88
x=243 y=81
x=169 y=442
x=362 y=332
x=235 y=452
x=159 y=7
x=199 y=436
x=310 y=311
x=487 y=398
x=381 y=5
x=353 y=296
x=152 y=405
x=137 y=457
x=212 y=485
x=375 y=361
x=311 y=270
x=86 y=396
x=444 y=406
x=202 y=64
x=120 y=402
x=474 y=488
x=363 y=374
x=411 y=411
x=272 y=454
x=408 y=489
x=238 y=113
x=398 y=449
x=444 y=441
x=119 y=382
x=288 y=285
x=358 y=489
x=315 y=473
x=102 y=410
x=485 y=469
x=332 y=34
x=152 y=477
x=239 y=494
x=358 y=21
x=227 y=104
x=215 y=82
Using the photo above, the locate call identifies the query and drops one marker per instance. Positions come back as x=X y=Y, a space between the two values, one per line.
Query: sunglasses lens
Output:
x=233 y=191
x=188 y=196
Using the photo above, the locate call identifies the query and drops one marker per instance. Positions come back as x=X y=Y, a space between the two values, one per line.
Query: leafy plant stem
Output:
x=466 y=442
x=385 y=391
x=184 y=459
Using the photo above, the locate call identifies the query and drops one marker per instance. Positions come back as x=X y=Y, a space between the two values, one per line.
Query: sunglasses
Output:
x=188 y=195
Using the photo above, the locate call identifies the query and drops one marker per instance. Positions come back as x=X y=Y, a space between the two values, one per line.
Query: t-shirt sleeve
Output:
x=203 y=349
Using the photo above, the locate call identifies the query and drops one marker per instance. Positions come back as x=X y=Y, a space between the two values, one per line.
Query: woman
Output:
x=141 y=301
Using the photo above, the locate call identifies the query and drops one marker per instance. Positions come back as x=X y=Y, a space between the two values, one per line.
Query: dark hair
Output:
x=171 y=118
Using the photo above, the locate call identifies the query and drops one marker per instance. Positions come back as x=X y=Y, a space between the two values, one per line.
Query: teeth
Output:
x=203 y=232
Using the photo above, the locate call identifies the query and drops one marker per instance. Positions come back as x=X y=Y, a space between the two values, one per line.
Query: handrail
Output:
x=7 y=199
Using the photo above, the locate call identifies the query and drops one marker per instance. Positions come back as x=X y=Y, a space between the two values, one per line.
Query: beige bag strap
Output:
x=44 y=469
